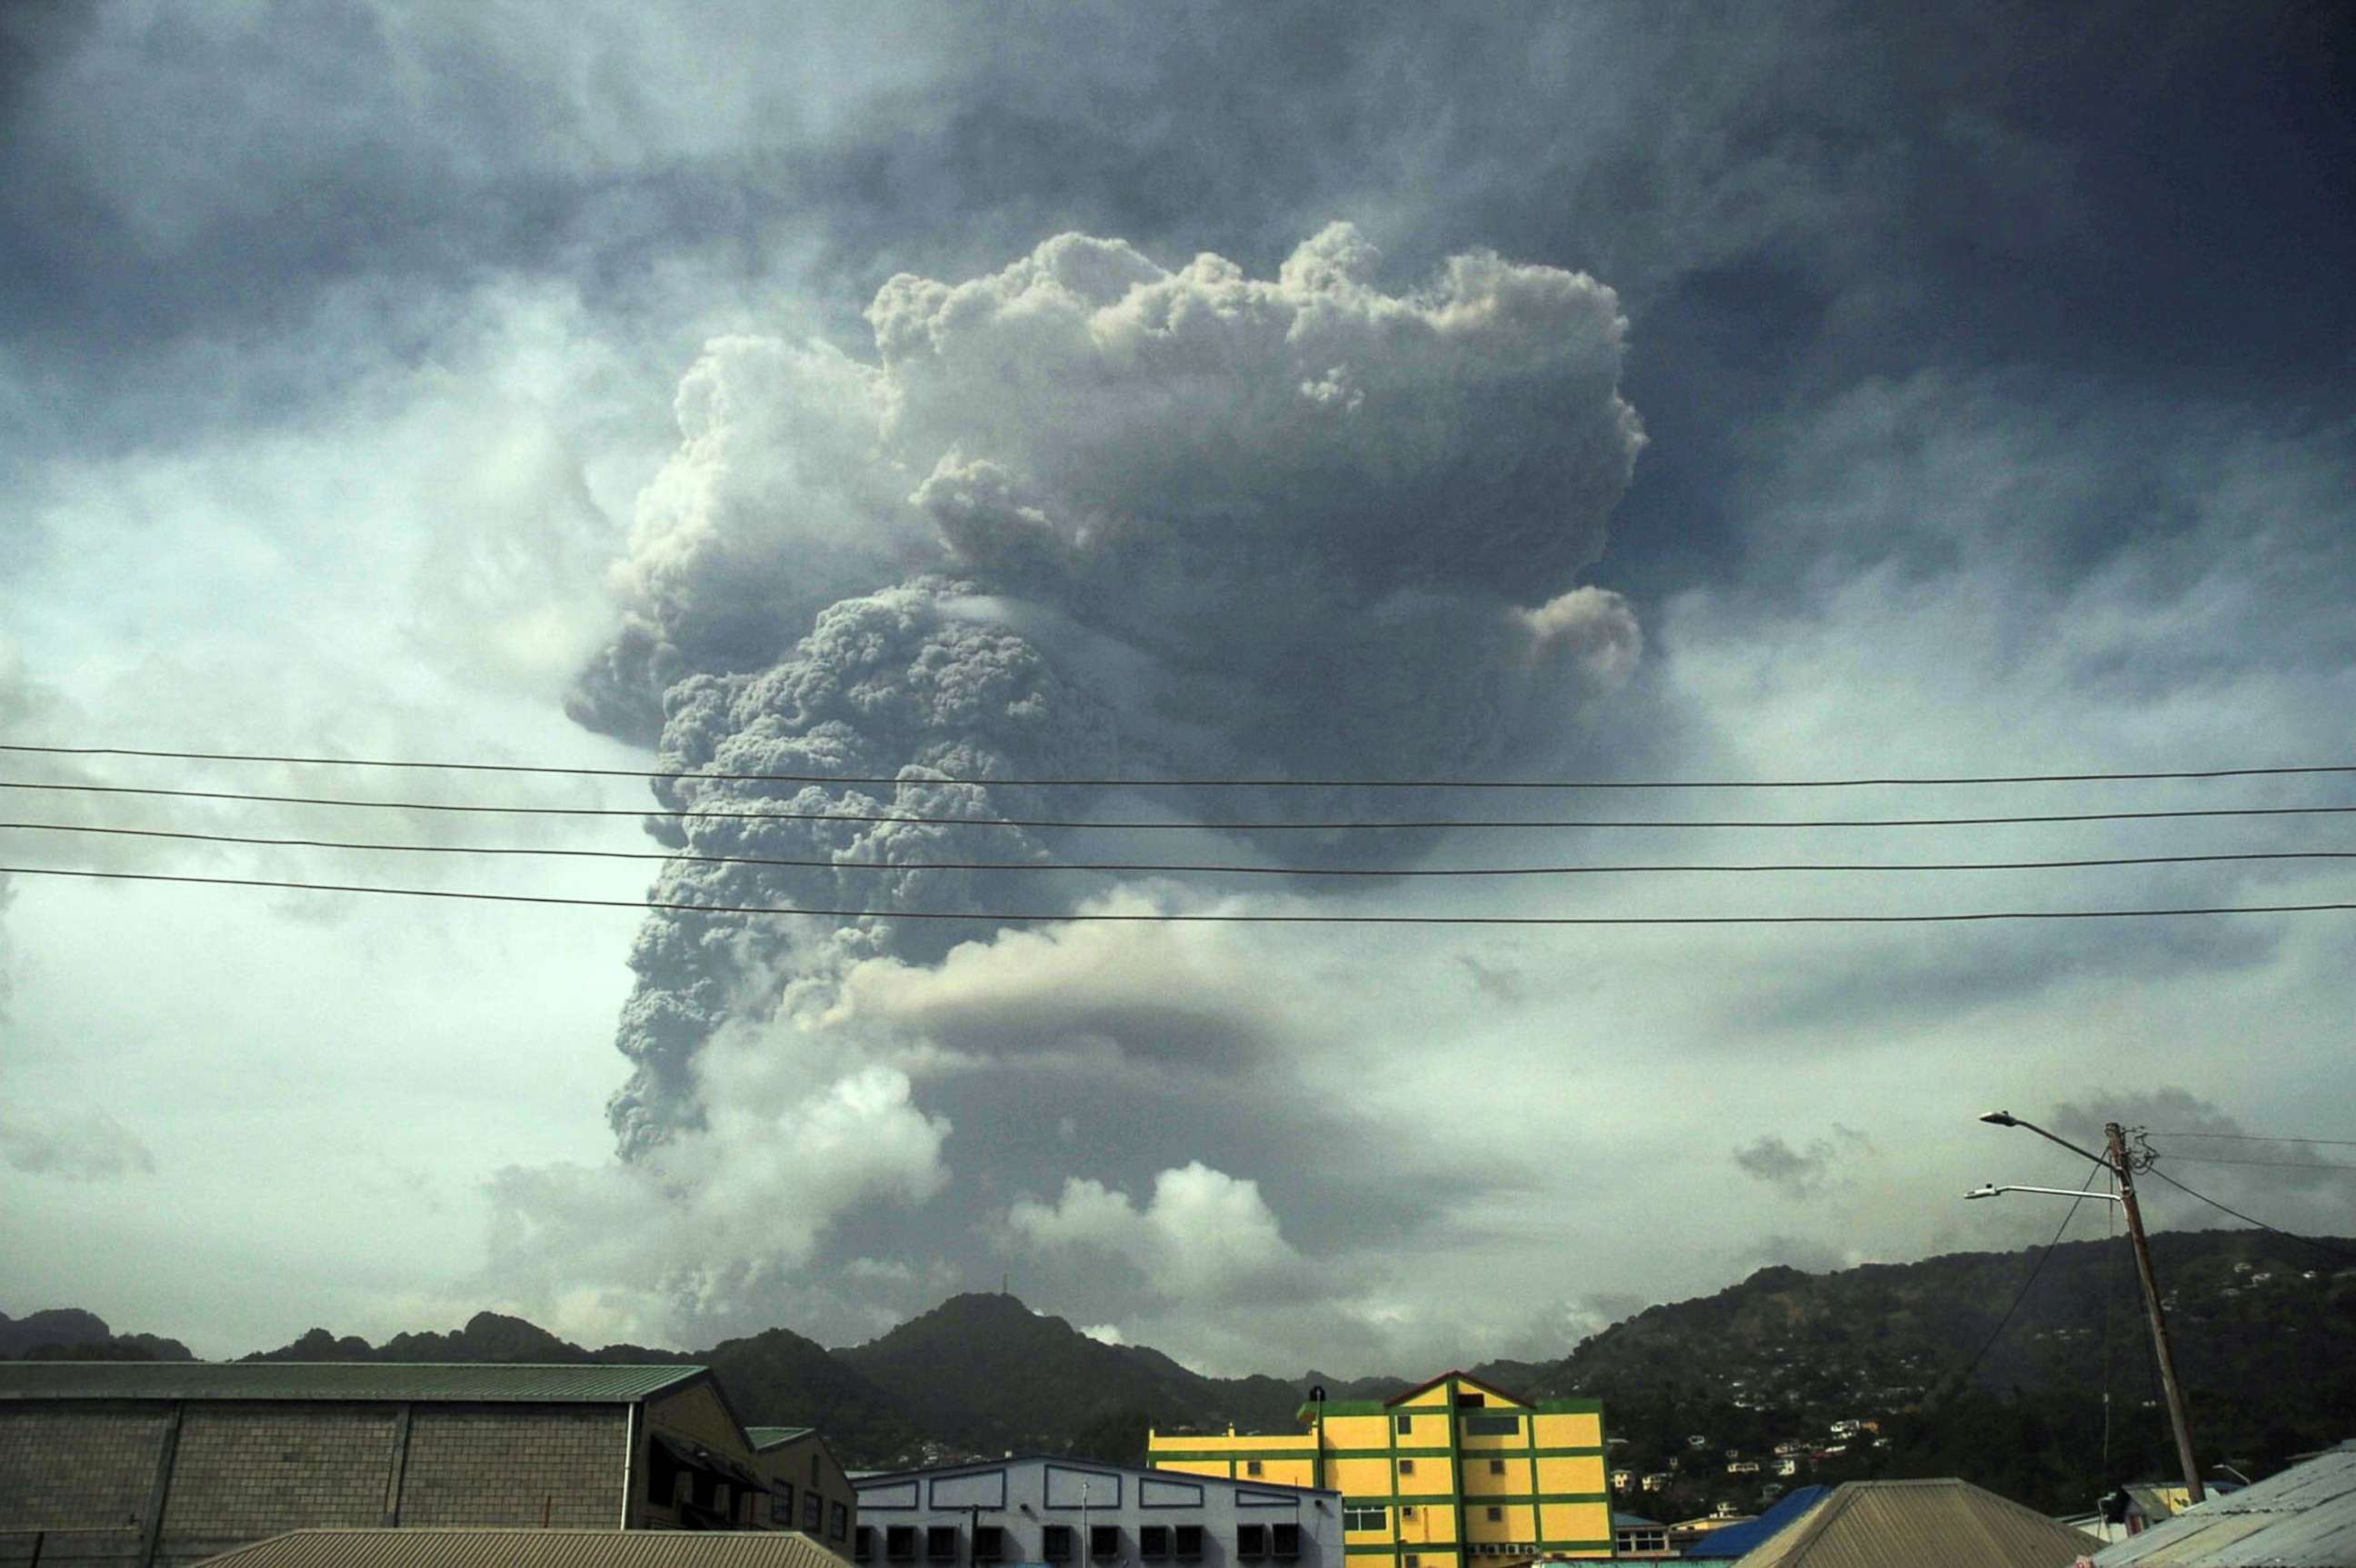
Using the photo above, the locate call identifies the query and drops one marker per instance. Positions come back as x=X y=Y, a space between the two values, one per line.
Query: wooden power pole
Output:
x=2125 y=1170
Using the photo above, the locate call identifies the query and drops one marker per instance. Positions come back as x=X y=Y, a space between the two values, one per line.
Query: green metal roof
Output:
x=428 y=1380
x=494 y=1548
x=766 y=1437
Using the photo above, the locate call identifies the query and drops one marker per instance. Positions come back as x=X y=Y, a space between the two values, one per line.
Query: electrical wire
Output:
x=2271 y=1165
x=2259 y=772
x=2251 y=1220
x=1964 y=1379
x=1159 y=867
x=1165 y=825
x=2259 y=1138
x=1017 y=918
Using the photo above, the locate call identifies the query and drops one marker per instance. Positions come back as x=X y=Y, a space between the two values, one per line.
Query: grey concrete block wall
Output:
x=240 y=1472
x=515 y=1465
x=247 y=1471
x=80 y=1468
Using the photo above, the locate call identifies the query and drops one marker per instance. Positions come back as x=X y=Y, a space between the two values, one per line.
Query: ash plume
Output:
x=1084 y=517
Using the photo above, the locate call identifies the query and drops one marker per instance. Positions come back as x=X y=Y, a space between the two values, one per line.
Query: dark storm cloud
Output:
x=1806 y=1172
x=2196 y=1142
x=86 y=1146
x=1890 y=274
x=1962 y=182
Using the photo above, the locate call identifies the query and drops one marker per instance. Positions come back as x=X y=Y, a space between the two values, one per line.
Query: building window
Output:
x=1406 y=1424
x=781 y=1505
x=1055 y=1544
x=1153 y=1541
x=1365 y=1516
x=989 y=1544
x=838 y=1522
x=863 y=1544
x=1495 y=1515
x=1104 y=1541
x=1469 y=1401
x=1407 y=1511
x=1251 y=1466
x=1407 y=1466
x=1251 y=1541
x=813 y=1511
x=1492 y=1426
x=1285 y=1541
x=1190 y=1543
x=1496 y=1466
x=1413 y=1561
x=900 y=1542
x=941 y=1542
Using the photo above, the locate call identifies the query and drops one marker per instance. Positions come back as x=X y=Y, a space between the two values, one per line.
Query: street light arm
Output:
x=2006 y=1118
x=2056 y=1191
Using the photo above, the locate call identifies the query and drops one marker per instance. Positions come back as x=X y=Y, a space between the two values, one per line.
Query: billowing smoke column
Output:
x=1086 y=516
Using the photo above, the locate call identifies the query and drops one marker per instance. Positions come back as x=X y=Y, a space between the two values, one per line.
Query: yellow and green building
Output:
x=1455 y=1473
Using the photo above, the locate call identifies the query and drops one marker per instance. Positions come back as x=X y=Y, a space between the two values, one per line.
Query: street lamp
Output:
x=2122 y=1171
x=2056 y=1191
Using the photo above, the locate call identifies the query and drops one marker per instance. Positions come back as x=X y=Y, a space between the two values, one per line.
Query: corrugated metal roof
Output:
x=1921 y=1524
x=468 y=1382
x=2304 y=1518
x=763 y=1437
x=1737 y=1539
x=529 y=1548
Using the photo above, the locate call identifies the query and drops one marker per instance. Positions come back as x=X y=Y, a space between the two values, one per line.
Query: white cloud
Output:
x=1202 y=1236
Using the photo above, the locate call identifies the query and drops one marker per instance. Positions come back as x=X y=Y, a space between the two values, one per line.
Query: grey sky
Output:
x=505 y=386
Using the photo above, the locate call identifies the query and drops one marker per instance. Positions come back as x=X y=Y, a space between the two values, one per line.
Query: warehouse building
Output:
x=166 y=1463
x=1068 y=1512
x=1454 y=1473
x=808 y=1489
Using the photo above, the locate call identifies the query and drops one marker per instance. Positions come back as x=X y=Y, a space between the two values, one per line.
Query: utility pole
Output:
x=2123 y=1169
x=2115 y=1160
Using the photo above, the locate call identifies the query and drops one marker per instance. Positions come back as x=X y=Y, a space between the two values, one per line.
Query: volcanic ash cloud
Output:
x=1081 y=517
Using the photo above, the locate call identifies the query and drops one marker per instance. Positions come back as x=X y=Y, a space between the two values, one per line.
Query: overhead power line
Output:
x=1177 y=867
x=1020 y=917
x=2271 y=1165
x=1962 y=1380
x=2251 y=1220
x=1164 y=825
x=2260 y=1138
x=1114 y=783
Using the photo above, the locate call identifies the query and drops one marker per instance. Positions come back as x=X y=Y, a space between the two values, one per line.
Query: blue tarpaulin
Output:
x=1736 y=1540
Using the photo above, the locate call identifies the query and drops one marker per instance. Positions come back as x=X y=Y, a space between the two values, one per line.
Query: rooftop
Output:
x=764 y=1437
x=431 y=1548
x=466 y=1381
x=2303 y=1517
x=1924 y=1524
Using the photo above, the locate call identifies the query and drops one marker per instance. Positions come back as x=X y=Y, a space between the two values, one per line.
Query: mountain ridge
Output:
x=2266 y=1344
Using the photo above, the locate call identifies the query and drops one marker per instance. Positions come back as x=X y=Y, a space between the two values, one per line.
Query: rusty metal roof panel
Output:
x=2303 y=1517
x=1921 y=1524
x=479 y=1547
x=337 y=1381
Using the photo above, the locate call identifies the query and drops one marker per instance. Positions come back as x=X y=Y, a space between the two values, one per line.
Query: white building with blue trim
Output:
x=1035 y=1511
